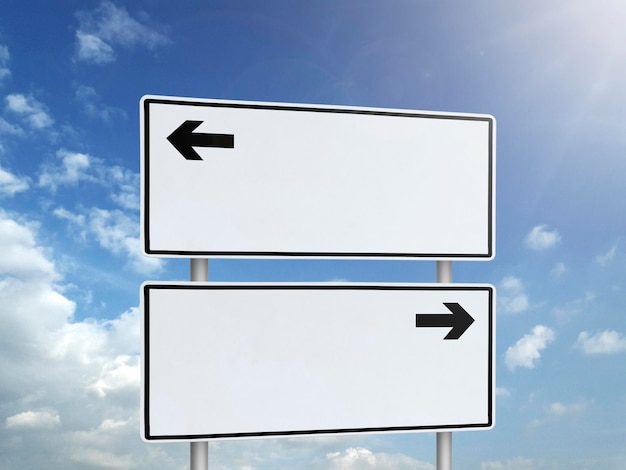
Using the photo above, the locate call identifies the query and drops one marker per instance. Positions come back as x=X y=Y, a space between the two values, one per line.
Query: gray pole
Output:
x=199 y=269
x=444 y=271
x=444 y=451
x=199 y=451
x=444 y=439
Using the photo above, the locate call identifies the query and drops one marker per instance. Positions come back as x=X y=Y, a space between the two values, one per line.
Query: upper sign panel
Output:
x=226 y=178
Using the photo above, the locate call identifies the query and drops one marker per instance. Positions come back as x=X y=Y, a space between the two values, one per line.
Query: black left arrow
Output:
x=458 y=319
x=184 y=140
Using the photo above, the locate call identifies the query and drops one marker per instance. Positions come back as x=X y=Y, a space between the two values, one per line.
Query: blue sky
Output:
x=71 y=77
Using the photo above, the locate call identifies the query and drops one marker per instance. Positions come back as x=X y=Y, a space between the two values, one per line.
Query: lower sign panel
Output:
x=251 y=360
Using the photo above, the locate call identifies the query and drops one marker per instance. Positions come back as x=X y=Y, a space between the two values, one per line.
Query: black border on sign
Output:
x=488 y=254
x=423 y=428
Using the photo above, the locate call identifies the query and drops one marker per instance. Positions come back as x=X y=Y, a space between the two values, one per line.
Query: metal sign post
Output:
x=444 y=439
x=199 y=450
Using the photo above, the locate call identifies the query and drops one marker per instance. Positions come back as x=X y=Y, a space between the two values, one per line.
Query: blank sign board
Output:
x=230 y=178
x=237 y=361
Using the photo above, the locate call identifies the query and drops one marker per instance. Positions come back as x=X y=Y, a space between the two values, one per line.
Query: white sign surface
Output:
x=234 y=361
x=227 y=178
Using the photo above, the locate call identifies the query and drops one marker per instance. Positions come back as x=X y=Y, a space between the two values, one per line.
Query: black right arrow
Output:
x=184 y=140
x=459 y=320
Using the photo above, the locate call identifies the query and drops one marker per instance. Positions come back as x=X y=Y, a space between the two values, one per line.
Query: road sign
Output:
x=250 y=360
x=230 y=178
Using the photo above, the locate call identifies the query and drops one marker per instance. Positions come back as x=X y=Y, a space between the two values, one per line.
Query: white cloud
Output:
x=93 y=107
x=560 y=409
x=30 y=301
x=62 y=213
x=33 y=420
x=10 y=129
x=72 y=168
x=126 y=328
x=358 y=458
x=575 y=307
x=99 y=458
x=528 y=349
x=126 y=184
x=512 y=296
x=115 y=231
x=70 y=386
x=502 y=392
x=601 y=342
x=11 y=184
x=558 y=270
x=540 y=238
x=121 y=374
x=33 y=112
x=91 y=48
x=518 y=463
x=108 y=26
x=4 y=60
x=605 y=258
x=20 y=256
